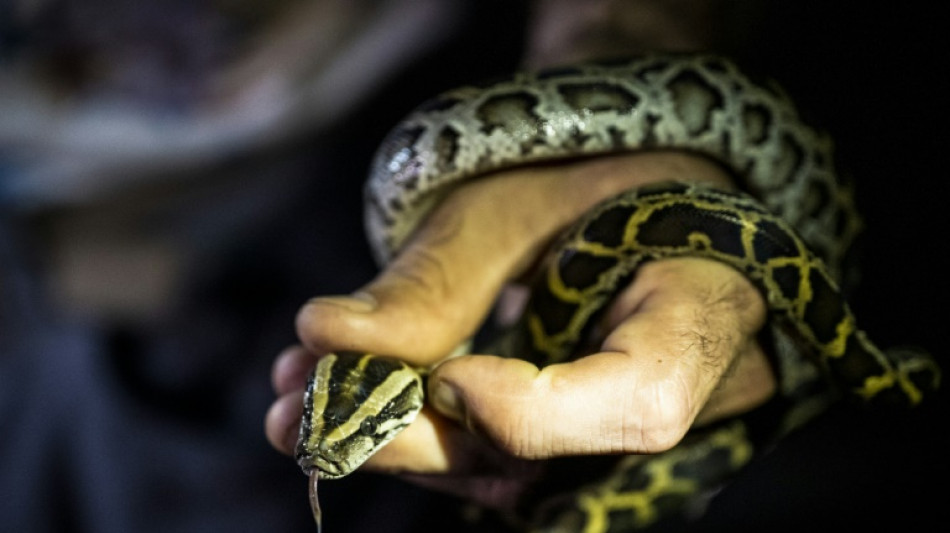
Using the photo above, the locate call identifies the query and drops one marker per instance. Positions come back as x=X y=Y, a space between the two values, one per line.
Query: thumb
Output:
x=432 y=296
x=672 y=336
x=604 y=403
x=439 y=288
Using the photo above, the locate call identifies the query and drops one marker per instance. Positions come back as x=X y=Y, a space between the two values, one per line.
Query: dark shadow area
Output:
x=122 y=424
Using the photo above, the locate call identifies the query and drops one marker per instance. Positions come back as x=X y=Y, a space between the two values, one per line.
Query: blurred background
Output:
x=178 y=177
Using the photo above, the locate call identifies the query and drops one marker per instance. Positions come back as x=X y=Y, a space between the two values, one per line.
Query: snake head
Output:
x=354 y=404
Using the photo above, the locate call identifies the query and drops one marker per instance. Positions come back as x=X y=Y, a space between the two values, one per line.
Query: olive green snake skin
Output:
x=788 y=232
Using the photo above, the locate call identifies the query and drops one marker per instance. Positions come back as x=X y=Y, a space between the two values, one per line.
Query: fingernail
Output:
x=446 y=401
x=358 y=302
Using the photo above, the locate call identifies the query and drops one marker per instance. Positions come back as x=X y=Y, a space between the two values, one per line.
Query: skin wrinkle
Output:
x=689 y=407
x=547 y=436
x=651 y=404
x=424 y=271
x=549 y=386
x=703 y=347
x=627 y=442
x=522 y=437
x=419 y=275
x=633 y=405
x=668 y=419
x=526 y=448
x=600 y=439
x=421 y=264
x=672 y=406
x=643 y=425
x=506 y=425
x=446 y=225
x=610 y=432
x=509 y=437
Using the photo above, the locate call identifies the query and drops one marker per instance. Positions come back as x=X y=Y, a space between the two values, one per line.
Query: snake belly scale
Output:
x=355 y=403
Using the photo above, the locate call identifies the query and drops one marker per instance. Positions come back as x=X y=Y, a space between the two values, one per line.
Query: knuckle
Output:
x=663 y=414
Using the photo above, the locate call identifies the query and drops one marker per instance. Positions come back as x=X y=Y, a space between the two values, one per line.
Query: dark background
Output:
x=874 y=76
x=193 y=457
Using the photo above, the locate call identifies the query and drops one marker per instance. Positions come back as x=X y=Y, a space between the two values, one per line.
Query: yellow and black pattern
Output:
x=602 y=253
x=790 y=236
x=636 y=491
x=356 y=403
x=677 y=220
x=700 y=103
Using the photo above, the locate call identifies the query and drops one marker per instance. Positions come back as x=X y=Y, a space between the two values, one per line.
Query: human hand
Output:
x=670 y=338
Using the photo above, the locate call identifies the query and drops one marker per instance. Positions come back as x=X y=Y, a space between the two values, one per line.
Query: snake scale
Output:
x=788 y=231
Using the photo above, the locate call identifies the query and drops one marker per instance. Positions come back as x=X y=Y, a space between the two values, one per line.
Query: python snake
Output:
x=788 y=233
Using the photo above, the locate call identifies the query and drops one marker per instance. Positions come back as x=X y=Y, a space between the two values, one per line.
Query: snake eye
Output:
x=369 y=426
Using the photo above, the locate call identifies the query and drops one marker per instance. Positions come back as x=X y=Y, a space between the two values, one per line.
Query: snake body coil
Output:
x=355 y=403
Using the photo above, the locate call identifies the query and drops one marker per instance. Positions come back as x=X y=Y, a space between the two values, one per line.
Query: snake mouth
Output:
x=325 y=469
x=326 y=474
